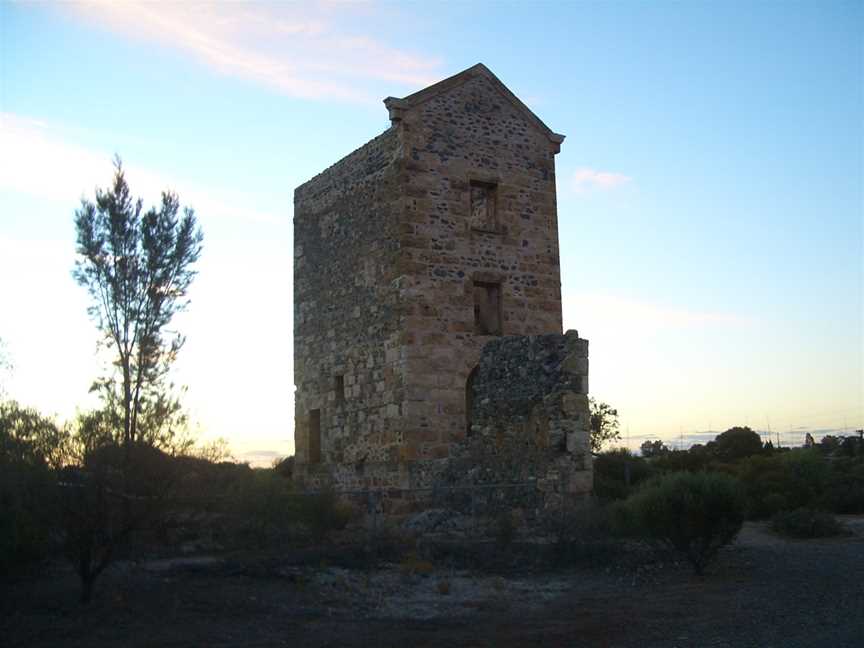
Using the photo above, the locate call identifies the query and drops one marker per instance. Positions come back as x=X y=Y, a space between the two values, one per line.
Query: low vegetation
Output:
x=695 y=514
x=806 y=523
x=61 y=493
x=584 y=534
x=829 y=476
x=695 y=500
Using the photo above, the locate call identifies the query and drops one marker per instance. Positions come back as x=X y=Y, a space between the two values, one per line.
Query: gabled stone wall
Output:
x=461 y=140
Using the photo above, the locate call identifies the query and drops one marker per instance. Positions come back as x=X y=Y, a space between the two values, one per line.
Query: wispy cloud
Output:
x=585 y=179
x=310 y=50
x=632 y=319
x=36 y=159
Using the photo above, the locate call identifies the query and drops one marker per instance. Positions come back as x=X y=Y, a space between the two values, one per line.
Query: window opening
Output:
x=483 y=206
x=487 y=308
x=314 y=436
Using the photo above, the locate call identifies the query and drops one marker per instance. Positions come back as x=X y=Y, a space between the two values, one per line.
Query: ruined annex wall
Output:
x=530 y=417
x=470 y=133
x=346 y=306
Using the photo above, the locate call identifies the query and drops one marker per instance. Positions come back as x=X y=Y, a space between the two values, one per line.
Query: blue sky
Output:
x=710 y=187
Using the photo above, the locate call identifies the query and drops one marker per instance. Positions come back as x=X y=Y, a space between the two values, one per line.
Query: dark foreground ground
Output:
x=762 y=592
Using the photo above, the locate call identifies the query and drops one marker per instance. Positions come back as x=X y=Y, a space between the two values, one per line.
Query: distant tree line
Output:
x=827 y=476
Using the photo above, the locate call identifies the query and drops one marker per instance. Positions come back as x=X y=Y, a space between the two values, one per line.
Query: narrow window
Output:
x=339 y=388
x=483 y=203
x=487 y=308
x=314 y=436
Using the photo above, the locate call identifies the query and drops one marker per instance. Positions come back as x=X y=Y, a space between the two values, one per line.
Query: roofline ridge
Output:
x=396 y=105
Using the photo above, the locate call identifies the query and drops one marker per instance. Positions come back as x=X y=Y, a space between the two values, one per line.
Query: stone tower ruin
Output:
x=412 y=254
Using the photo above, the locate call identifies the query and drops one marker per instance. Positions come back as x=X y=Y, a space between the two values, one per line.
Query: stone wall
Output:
x=529 y=400
x=412 y=254
x=346 y=313
x=458 y=141
x=530 y=424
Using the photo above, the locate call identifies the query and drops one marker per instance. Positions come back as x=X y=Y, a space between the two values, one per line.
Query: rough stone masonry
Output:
x=427 y=299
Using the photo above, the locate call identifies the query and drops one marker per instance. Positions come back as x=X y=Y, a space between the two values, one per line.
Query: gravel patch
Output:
x=763 y=591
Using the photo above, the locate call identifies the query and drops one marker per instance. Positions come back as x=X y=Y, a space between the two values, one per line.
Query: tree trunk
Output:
x=127 y=405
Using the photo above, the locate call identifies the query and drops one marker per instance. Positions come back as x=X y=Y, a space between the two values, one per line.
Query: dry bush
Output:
x=693 y=513
x=806 y=523
x=582 y=533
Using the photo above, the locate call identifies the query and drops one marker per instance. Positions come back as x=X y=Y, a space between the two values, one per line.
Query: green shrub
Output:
x=208 y=484
x=693 y=513
x=617 y=473
x=771 y=504
x=262 y=508
x=112 y=504
x=323 y=513
x=806 y=523
x=764 y=480
x=800 y=478
x=28 y=513
x=582 y=534
x=692 y=460
x=844 y=487
x=807 y=474
x=32 y=448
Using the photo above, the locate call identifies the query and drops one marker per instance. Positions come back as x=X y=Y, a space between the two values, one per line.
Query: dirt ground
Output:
x=762 y=591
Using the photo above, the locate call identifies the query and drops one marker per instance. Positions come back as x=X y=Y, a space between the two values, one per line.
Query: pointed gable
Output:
x=396 y=106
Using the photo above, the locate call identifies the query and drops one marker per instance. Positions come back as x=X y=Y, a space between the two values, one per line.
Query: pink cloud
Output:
x=304 y=50
x=585 y=179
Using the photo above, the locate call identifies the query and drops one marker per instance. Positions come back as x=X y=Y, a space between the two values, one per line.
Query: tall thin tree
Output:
x=137 y=269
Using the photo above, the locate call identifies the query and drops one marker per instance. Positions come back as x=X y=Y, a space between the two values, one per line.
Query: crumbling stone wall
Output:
x=530 y=418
